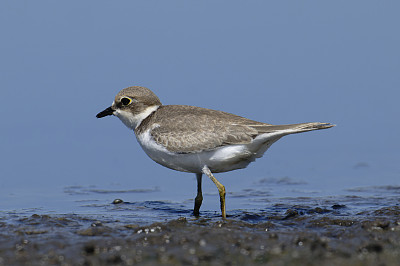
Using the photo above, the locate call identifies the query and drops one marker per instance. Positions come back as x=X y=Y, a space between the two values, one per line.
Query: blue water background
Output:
x=276 y=62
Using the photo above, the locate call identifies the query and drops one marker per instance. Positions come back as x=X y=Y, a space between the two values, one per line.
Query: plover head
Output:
x=131 y=105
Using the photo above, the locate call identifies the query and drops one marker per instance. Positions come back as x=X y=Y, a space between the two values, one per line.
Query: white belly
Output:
x=223 y=159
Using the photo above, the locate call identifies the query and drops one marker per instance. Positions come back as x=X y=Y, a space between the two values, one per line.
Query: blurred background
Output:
x=278 y=62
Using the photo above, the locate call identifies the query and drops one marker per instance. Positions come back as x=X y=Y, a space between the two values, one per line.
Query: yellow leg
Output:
x=199 y=198
x=221 y=189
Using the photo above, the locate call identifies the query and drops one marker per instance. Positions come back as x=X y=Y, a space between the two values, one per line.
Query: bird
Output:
x=195 y=139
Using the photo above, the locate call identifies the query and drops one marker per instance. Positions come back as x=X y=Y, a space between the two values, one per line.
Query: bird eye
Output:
x=126 y=101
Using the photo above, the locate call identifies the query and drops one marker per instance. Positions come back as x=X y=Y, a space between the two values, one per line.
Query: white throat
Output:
x=132 y=121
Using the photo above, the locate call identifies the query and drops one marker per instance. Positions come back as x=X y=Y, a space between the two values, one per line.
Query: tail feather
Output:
x=293 y=128
x=314 y=126
x=268 y=134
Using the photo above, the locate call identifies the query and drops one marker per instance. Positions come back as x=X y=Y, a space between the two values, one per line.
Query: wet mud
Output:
x=287 y=235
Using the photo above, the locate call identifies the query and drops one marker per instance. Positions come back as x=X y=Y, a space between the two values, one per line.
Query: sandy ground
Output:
x=312 y=236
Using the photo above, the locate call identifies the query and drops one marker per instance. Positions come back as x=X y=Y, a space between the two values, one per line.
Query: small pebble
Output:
x=117 y=201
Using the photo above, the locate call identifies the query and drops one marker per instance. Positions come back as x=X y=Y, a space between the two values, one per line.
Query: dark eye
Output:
x=126 y=101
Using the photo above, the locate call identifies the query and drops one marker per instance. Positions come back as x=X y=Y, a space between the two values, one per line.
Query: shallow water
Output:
x=149 y=205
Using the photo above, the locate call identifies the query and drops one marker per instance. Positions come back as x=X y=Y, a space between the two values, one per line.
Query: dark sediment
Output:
x=297 y=236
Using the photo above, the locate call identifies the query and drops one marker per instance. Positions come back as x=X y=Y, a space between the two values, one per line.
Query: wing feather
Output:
x=186 y=129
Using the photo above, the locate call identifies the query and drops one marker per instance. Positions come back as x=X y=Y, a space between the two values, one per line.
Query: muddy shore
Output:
x=296 y=236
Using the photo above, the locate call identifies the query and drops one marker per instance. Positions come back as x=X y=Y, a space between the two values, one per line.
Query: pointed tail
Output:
x=294 y=128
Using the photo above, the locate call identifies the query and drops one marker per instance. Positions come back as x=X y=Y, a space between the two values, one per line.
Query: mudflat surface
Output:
x=283 y=235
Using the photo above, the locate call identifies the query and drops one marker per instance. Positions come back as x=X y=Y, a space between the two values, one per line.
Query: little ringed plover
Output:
x=197 y=140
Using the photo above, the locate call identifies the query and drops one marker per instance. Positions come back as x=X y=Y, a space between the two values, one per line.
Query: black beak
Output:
x=106 y=112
